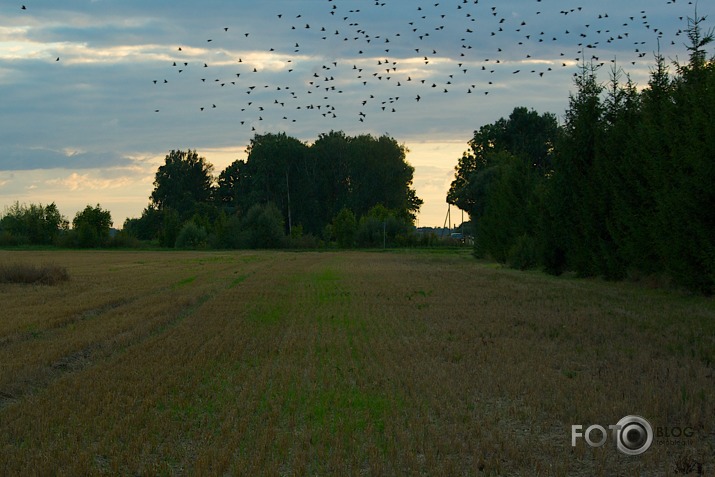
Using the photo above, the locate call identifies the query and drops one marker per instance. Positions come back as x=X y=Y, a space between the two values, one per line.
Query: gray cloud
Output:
x=17 y=158
x=100 y=98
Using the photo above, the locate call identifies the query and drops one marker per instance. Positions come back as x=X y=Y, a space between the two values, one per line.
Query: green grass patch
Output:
x=238 y=280
x=326 y=276
x=339 y=409
x=329 y=287
x=267 y=315
x=185 y=281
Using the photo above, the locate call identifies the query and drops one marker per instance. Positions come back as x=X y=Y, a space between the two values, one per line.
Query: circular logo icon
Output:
x=634 y=435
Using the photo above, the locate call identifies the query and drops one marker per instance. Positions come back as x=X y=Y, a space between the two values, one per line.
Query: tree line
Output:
x=626 y=186
x=36 y=224
x=354 y=191
x=286 y=192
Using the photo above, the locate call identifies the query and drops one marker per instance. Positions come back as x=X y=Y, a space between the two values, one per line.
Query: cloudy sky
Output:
x=94 y=93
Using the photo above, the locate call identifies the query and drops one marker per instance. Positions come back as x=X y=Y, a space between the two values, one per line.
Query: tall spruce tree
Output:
x=619 y=177
x=574 y=218
x=686 y=239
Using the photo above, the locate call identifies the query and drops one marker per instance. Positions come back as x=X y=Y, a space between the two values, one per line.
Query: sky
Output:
x=95 y=93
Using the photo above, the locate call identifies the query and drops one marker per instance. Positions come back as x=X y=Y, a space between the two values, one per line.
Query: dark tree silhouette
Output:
x=182 y=182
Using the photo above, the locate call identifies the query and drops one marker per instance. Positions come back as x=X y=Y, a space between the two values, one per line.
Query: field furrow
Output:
x=80 y=332
x=279 y=363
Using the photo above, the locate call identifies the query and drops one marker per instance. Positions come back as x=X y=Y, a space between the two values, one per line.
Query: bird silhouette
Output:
x=428 y=49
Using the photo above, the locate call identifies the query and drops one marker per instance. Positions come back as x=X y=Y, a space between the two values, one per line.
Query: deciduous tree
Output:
x=184 y=180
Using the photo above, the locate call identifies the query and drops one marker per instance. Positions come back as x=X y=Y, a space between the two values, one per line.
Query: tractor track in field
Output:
x=95 y=312
x=90 y=313
x=42 y=376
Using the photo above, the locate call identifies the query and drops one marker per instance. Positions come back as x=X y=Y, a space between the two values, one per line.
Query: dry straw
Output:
x=45 y=274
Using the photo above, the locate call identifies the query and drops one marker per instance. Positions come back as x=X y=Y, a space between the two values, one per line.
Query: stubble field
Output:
x=354 y=363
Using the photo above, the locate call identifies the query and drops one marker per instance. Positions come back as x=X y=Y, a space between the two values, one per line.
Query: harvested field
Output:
x=354 y=363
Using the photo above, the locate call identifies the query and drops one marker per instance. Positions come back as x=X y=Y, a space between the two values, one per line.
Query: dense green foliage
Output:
x=499 y=181
x=182 y=182
x=351 y=190
x=344 y=228
x=624 y=186
x=36 y=224
x=31 y=225
x=285 y=193
x=91 y=226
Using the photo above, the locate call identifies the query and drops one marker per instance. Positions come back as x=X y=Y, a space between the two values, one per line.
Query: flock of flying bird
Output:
x=370 y=67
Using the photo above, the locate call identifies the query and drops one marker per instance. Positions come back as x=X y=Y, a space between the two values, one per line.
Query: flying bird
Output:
x=456 y=55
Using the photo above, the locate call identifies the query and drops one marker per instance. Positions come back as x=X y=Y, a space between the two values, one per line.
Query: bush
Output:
x=124 y=239
x=264 y=227
x=87 y=236
x=524 y=254
x=304 y=241
x=345 y=228
x=169 y=228
x=191 y=236
x=33 y=224
x=9 y=240
x=92 y=227
x=369 y=232
x=382 y=227
x=47 y=274
x=225 y=231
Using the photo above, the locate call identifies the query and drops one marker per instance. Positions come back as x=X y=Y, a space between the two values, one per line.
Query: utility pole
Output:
x=447 y=220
